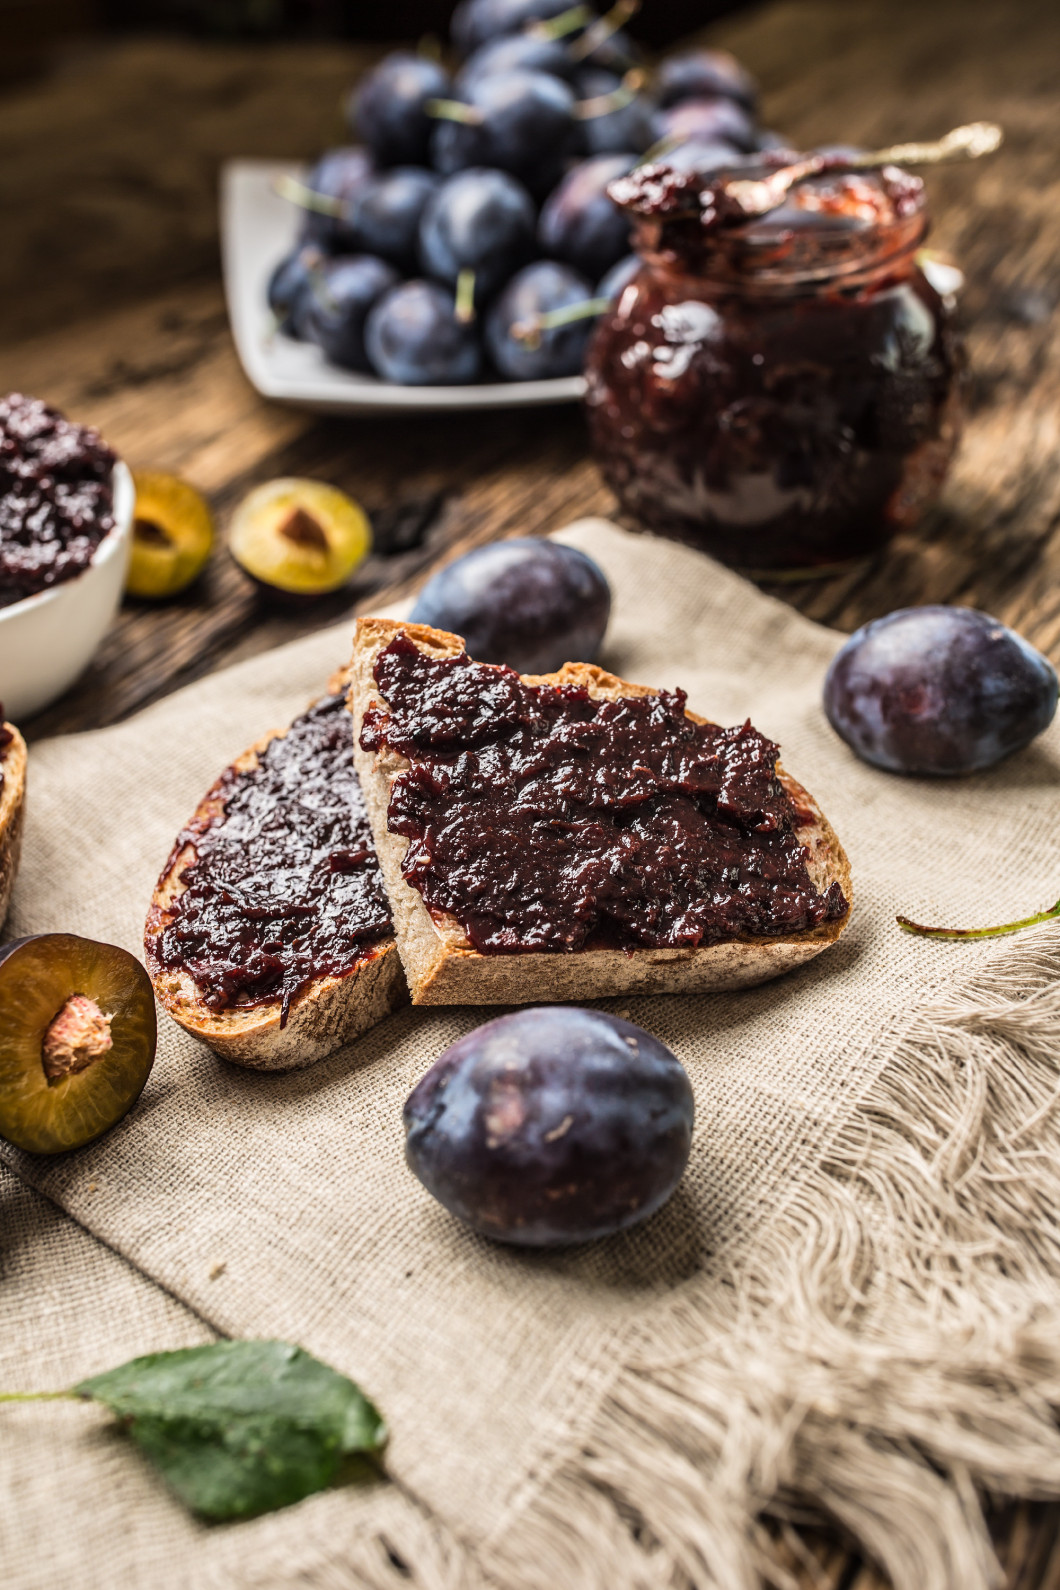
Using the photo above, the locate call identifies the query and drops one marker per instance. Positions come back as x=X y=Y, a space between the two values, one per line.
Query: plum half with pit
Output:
x=299 y=538
x=77 y=1039
x=938 y=690
x=551 y=1126
x=172 y=537
x=531 y=604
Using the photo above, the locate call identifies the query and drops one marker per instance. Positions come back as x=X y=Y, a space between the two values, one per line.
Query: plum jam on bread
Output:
x=573 y=835
x=269 y=934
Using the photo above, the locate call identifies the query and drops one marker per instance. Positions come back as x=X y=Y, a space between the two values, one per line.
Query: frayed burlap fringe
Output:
x=888 y=1356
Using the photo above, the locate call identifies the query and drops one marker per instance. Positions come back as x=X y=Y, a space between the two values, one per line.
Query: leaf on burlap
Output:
x=239 y=1428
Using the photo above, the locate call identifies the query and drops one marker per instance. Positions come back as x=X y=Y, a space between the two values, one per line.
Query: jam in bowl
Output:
x=782 y=391
x=66 y=515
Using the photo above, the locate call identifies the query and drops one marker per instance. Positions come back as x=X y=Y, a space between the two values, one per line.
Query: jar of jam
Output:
x=781 y=392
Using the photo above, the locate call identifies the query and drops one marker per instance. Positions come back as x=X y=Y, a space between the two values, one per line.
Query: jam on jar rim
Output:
x=832 y=230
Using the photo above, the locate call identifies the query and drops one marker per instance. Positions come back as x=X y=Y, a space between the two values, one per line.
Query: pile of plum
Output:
x=469 y=234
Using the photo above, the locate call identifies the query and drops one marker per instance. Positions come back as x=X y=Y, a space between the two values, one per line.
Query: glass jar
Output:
x=783 y=392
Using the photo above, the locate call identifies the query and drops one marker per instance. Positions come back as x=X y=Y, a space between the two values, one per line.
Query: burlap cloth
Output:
x=851 y=1302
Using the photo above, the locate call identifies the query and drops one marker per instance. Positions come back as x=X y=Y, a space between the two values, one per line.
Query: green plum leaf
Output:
x=242 y=1427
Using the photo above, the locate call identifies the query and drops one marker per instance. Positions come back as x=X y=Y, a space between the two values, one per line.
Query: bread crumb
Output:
x=217 y=1270
x=625 y=1014
x=92 y=1186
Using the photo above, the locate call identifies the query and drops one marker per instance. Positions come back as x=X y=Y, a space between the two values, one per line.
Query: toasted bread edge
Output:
x=12 y=814
x=330 y=1012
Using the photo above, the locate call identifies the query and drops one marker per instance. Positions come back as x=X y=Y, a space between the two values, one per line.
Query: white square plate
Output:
x=257 y=229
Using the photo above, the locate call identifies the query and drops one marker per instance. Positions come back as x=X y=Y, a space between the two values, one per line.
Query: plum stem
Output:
x=569 y=21
x=464 y=305
x=38 y=1396
x=529 y=330
x=600 y=31
x=617 y=99
x=455 y=110
x=307 y=198
x=979 y=933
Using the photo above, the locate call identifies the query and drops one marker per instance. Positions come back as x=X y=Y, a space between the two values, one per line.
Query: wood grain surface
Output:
x=111 y=307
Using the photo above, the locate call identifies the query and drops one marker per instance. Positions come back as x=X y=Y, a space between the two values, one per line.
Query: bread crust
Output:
x=12 y=813
x=442 y=967
x=328 y=1013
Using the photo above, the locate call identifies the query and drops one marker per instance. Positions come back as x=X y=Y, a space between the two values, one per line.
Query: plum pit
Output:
x=75 y=1038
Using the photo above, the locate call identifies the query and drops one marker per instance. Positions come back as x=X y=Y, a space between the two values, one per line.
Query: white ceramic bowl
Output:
x=48 y=639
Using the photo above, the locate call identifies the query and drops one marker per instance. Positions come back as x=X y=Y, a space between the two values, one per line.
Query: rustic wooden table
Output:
x=111 y=307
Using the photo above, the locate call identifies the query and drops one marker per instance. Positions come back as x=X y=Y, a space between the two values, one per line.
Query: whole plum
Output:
x=551 y=1126
x=938 y=690
x=531 y=604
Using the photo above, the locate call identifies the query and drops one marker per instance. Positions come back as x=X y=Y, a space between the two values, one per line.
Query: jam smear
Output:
x=542 y=819
x=56 y=497
x=285 y=885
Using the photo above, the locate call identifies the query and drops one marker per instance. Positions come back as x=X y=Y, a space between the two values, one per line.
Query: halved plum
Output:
x=77 y=1039
x=299 y=538
x=172 y=535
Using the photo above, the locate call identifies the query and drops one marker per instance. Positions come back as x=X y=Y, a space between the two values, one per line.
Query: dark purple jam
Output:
x=542 y=819
x=56 y=497
x=781 y=392
x=285 y=884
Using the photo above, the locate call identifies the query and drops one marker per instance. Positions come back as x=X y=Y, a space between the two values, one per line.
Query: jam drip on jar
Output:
x=284 y=886
x=542 y=819
x=56 y=497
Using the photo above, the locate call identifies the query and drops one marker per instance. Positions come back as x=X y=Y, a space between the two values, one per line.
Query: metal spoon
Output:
x=750 y=196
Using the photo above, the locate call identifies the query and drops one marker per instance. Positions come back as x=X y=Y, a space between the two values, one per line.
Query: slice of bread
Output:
x=440 y=963
x=328 y=1013
x=12 y=809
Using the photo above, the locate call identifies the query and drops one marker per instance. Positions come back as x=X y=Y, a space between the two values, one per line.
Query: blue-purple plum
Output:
x=531 y=604
x=334 y=309
x=478 y=220
x=523 y=353
x=413 y=337
x=699 y=74
x=522 y=122
x=938 y=690
x=706 y=121
x=385 y=215
x=579 y=223
x=389 y=107
x=551 y=1126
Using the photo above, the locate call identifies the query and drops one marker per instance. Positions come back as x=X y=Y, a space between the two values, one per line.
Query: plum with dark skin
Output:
x=706 y=121
x=385 y=215
x=414 y=336
x=700 y=74
x=517 y=52
x=522 y=122
x=580 y=224
x=479 y=221
x=389 y=107
x=476 y=21
x=520 y=346
x=551 y=1126
x=618 y=277
x=531 y=604
x=938 y=690
x=336 y=306
x=339 y=175
x=289 y=280
x=613 y=119
x=77 y=1039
